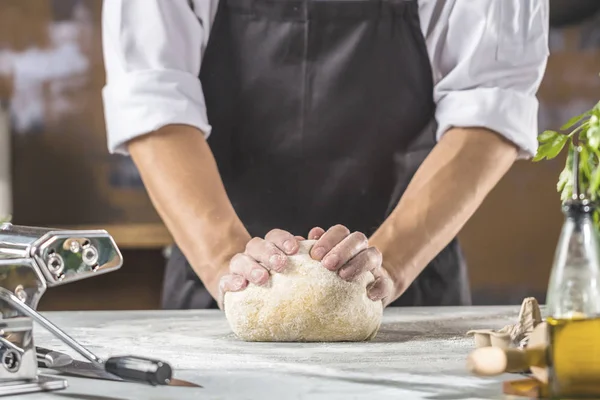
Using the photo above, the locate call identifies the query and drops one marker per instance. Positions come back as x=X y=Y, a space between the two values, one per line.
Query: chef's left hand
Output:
x=350 y=256
x=259 y=257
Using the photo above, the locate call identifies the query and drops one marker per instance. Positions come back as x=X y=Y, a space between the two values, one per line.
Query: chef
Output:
x=376 y=127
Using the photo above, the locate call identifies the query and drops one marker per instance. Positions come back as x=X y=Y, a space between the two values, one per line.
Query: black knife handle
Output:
x=138 y=369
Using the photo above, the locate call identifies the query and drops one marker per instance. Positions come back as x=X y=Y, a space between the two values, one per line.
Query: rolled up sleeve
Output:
x=488 y=58
x=152 y=55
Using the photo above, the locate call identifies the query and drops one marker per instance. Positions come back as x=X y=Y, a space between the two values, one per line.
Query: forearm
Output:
x=182 y=180
x=449 y=186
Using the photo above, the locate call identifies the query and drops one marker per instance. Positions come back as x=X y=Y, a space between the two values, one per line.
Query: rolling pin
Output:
x=492 y=361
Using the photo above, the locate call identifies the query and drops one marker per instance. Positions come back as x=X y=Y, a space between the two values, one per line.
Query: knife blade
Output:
x=66 y=365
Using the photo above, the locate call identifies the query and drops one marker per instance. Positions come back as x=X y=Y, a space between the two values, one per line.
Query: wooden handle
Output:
x=491 y=361
x=487 y=361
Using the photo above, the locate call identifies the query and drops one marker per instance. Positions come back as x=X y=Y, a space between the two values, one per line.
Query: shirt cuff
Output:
x=142 y=102
x=507 y=112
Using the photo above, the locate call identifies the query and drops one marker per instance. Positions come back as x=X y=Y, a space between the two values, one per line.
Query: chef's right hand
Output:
x=260 y=256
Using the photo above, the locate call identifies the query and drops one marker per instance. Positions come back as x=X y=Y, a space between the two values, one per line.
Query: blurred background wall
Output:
x=53 y=157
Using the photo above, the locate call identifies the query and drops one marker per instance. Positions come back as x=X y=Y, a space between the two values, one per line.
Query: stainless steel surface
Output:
x=32 y=259
x=62 y=256
x=51 y=359
x=56 y=264
x=17 y=353
x=20 y=293
x=21 y=275
x=43 y=383
x=23 y=308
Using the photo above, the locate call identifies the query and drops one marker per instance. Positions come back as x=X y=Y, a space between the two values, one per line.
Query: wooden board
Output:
x=528 y=387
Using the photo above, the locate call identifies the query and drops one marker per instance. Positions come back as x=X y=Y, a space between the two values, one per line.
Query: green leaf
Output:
x=593 y=137
x=551 y=149
x=595 y=183
x=540 y=155
x=595 y=115
x=570 y=155
x=563 y=179
x=567 y=176
x=584 y=163
x=556 y=146
x=546 y=136
x=567 y=192
x=585 y=127
x=541 y=152
x=574 y=120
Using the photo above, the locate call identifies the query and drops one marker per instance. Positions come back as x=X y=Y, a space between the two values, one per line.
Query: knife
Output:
x=66 y=365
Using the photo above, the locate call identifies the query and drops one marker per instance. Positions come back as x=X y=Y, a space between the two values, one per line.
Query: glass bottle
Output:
x=573 y=305
x=574 y=288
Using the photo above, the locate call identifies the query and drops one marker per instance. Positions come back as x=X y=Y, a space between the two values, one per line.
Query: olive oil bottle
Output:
x=575 y=358
x=573 y=306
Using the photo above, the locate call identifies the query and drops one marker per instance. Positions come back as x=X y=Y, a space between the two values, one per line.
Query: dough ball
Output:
x=304 y=303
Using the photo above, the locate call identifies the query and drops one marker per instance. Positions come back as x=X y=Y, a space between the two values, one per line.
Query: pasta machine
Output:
x=31 y=260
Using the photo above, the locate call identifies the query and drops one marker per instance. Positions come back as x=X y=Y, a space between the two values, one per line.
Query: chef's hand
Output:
x=350 y=256
x=337 y=249
x=260 y=256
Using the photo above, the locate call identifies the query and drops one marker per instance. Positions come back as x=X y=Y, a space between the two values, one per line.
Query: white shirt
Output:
x=488 y=58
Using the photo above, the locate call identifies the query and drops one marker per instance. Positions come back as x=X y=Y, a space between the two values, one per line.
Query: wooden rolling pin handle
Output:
x=487 y=361
x=491 y=361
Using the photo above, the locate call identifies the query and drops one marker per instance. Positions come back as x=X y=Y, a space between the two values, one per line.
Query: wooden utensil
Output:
x=492 y=361
x=528 y=387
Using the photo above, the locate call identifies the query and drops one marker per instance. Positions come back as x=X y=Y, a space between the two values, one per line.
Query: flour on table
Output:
x=304 y=303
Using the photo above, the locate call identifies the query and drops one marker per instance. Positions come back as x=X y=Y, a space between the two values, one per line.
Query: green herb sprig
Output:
x=584 y=131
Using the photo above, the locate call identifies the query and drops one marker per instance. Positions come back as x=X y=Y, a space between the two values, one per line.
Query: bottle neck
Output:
x=578 y=208
x=581 y=223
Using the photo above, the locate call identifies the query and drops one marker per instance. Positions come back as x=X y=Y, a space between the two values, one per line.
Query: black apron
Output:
x=322 y=111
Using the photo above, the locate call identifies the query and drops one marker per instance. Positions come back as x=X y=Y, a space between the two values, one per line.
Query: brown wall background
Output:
x=63 y=175
x=510 y=241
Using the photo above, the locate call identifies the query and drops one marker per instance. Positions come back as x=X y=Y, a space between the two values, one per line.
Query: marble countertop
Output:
x=419 y=353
